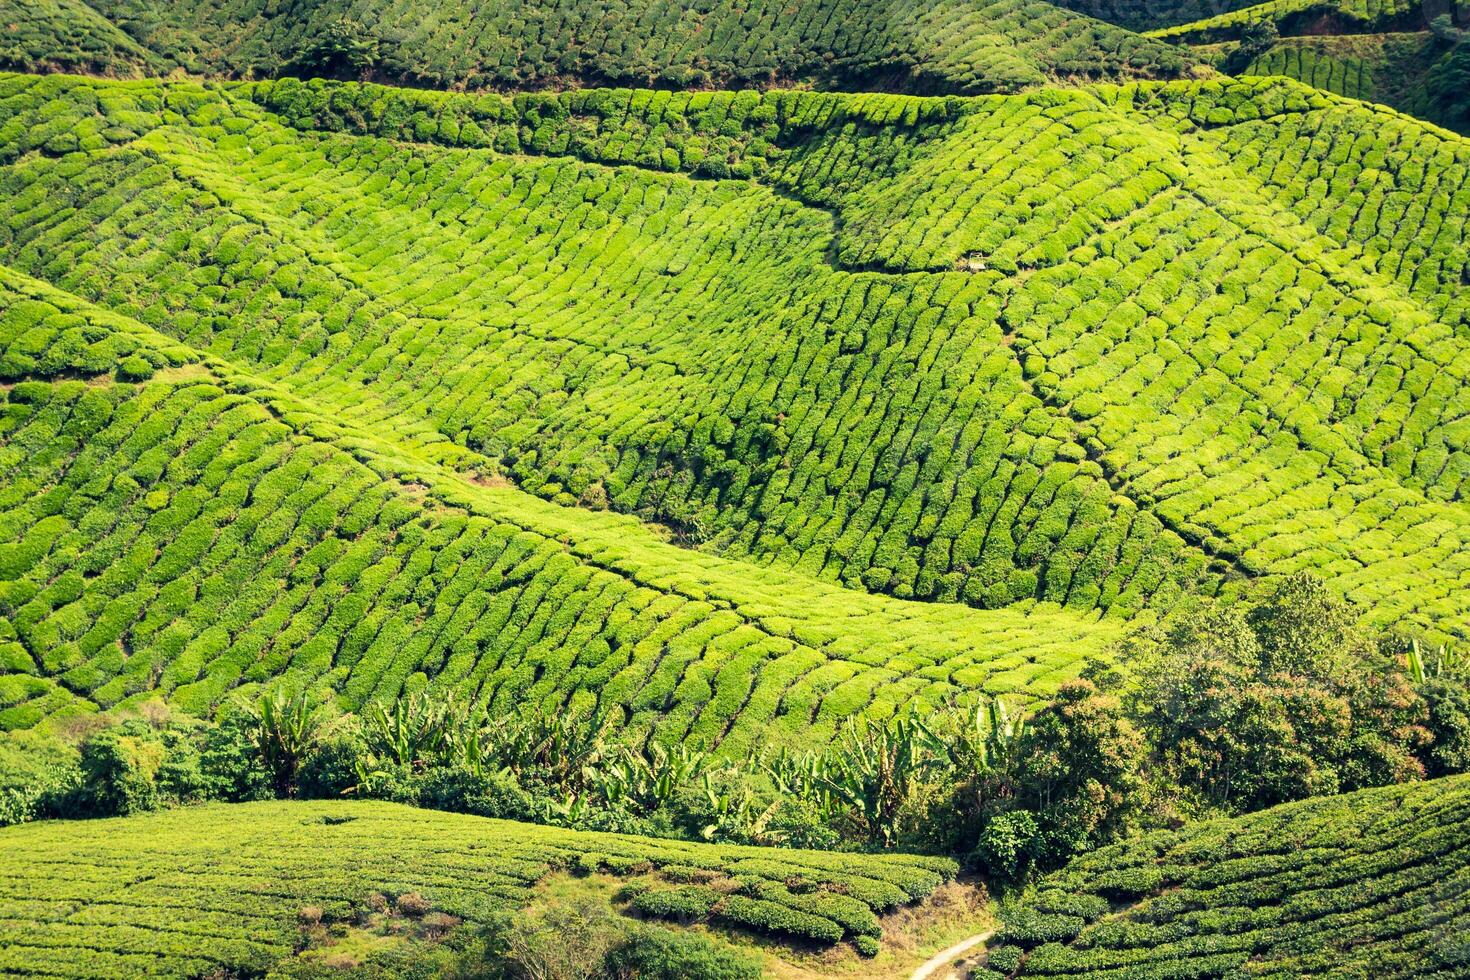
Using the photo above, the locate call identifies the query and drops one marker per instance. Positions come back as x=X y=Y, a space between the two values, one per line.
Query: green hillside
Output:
x=1029 y=452
x=150 y=896
x=972 y=428
x=954 y=46
x=178 y=526
x=1315 y=17
x=1032 y=455
x=1411 y=56
x=69 y=35
x=1374 y=883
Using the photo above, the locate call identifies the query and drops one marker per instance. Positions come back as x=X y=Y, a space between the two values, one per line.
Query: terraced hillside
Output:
x=953 y=46
x=1412 y=56
x=1179 y=344
x=181 y=527
x=1374 y=883
x=149 y=896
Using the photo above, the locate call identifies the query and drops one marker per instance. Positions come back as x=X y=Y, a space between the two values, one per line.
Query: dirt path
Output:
x=945 y=957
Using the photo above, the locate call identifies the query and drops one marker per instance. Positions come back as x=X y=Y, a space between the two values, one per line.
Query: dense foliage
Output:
x=1034 y=451
x=952 y=46
x=1374 y=883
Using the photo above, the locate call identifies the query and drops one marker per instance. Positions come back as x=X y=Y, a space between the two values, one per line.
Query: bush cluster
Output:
x=1368 y=882
x=956 y=46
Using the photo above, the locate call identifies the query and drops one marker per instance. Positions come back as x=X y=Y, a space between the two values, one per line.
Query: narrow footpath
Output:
x=934 y=964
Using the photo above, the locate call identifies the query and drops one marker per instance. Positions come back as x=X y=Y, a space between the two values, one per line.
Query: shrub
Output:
x=332 y=765
x=651 y=953
x=460 y=790
x=687 y=903
x=120 y=767
x=1008 y=846
x=230 y=762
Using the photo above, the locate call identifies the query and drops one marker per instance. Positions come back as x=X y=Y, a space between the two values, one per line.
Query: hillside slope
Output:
x=951 y=46
x=174 y=526
x=1412 y=55
x=234 y=889
x=1374 y=883
x=874 y=360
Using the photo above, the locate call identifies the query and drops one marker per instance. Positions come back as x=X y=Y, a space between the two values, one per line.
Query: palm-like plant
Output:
x=413 y=731
x=875 y=768
x=802 y=776
x=556 y=748
x=285 y=728
x=648 y=777
x=1445 y=661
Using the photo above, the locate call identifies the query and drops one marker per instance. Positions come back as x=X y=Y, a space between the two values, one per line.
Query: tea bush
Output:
x=106 y=897
x=1374 y=882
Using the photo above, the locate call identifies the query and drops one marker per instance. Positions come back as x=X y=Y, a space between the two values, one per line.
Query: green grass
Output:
x=1374 y=883
x=952 y=46
x=151 y=895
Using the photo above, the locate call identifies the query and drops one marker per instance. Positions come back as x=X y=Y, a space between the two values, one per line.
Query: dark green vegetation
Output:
x=958 y=46
x=149 y=895
x=1412 y=56
x=1236 y=712
x=1375 y=883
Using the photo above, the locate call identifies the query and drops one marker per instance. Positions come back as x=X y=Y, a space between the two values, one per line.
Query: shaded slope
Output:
x=1315 y=17
x=952 y=46
x=198 y=531
x=1407 y=54
x=1374 y=883
x=218 y=889
x=69 y=35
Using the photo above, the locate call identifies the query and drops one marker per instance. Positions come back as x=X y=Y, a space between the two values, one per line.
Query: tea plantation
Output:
x=150 y=896
x=823 y=353
x=184 y=528
x=1374 y=883
x=1412 y=56
x=954 y=46
x=662 y=416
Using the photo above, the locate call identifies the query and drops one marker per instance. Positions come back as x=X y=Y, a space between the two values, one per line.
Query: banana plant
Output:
x=803 y=777
x=874 y=769
x=729 y=807
x=558 y=748
x=284 y=730
x=412 y=732
x=646 y=778
x=1446 y=661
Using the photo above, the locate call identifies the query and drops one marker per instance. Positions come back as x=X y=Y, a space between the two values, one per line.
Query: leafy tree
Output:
x=1079 y=770
x=1258 y=36
x=1288 y=700
x=120 y=767
x=231 y=762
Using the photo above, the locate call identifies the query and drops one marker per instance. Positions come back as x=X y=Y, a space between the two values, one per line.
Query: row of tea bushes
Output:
x=202 y=531
x=566 y=371
x=1307 y=16
x=933 y=413
x=221 y=888
x=1374 y=883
